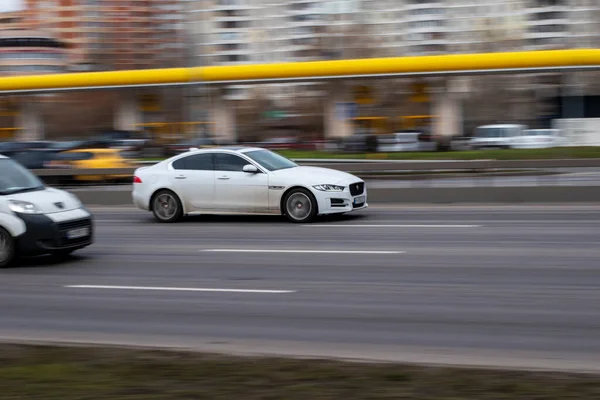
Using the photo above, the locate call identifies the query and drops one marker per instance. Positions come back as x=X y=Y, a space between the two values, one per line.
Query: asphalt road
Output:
x=506 y=286
x=566 y=177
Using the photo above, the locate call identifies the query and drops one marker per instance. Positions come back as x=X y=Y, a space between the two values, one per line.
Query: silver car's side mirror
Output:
x=251 y=169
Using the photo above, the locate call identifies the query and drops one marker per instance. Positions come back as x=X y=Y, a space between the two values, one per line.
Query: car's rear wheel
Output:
x=8 y=248
x=167 y=207
x=300 y=206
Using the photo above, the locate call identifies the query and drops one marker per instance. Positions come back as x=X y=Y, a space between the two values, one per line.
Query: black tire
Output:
x=162 y=204
x=299 y=200
x=8 y=249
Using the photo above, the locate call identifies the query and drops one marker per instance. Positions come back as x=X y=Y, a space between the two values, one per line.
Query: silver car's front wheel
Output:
x=300 y=206
x=166 y=206
x=7 y=248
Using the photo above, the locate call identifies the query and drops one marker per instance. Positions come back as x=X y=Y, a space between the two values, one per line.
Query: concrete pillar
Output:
x=128 y=113
x=338 y=123
x=222 y=115
x=448 y=110
x=30 y=120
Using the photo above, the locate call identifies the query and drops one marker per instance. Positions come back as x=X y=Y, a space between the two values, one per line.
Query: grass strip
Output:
x=69 y=373
x=507 y=154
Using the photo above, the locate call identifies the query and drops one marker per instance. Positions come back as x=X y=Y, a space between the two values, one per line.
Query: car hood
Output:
x=46 y=200
x=313 y=176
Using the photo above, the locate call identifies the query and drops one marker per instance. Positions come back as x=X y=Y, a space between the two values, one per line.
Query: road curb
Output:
x=465 y=195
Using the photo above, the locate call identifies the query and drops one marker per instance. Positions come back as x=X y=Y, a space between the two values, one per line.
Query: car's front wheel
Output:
x=300 y=206
x=166 y=207
x=8 y=248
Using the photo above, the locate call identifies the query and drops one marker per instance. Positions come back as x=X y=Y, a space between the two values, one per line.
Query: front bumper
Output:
x=44 y=235
x=340 y=202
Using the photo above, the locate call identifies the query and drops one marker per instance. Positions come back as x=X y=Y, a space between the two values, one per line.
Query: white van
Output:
x=38 y=220
x=496 y=136
x=405 y=141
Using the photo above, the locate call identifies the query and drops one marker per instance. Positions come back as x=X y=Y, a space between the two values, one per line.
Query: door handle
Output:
x=180 y=177
x=224 y=178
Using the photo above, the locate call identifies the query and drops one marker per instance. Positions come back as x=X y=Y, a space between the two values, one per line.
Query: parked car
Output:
x=539 y=139
x=406 y=141
x=496 y=136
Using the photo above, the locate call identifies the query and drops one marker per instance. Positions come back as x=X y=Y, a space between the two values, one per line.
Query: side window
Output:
x=198 y=162
x=179 y=164
x=229 y=162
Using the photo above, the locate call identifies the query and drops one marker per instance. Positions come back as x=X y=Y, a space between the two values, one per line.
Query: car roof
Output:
x=233 y=149
x=92 y=150
x=501 y=126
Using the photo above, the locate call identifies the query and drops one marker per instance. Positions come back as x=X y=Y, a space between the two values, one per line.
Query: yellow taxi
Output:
x=92 y=159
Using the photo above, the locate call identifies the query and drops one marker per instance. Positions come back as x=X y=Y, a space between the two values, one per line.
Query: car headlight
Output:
x=329 y=188
x=23 y=207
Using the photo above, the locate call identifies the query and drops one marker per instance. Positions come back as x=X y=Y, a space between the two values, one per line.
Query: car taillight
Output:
x=136 y=180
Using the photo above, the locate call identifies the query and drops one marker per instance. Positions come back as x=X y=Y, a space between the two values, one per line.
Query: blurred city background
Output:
x=535 y=110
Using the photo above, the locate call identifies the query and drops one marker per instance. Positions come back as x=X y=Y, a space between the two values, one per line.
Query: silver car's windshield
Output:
x=271 y=161
x=15 y=178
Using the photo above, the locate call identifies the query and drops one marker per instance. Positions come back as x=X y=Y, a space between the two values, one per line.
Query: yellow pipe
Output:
x=399 y=65
x=314 y=69
x=96 y=79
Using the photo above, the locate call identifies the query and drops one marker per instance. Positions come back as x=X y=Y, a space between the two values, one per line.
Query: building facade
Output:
x=112 y=34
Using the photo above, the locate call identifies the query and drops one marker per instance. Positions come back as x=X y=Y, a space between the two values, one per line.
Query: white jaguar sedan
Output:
x=244 y=180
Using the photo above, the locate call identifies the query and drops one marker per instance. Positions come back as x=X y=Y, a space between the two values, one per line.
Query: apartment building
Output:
x=31 y=52
x=111 y=34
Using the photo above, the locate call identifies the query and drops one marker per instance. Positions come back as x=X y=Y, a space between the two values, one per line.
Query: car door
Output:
x=193 y=178
x=239 y=191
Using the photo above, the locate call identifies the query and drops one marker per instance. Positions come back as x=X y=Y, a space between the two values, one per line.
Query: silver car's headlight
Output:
x=329 y=188
x=23 y=207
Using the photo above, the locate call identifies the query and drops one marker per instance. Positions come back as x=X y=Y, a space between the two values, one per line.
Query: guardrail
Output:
x=379 y=167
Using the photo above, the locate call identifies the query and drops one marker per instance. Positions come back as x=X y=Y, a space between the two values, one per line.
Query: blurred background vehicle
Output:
x=279 y=143
x=92 y=159
x=539 y=139
x=406 y=141
x=501 y=136
x=183 y=146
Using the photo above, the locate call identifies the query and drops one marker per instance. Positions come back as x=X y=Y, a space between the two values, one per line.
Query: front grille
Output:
x=65 y=227
x=75 y=224
x=357 y=188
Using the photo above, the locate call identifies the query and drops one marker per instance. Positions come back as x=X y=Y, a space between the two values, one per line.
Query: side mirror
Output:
x=251 y=169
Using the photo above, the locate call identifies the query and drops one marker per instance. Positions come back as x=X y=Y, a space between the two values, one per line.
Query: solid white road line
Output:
x=301 y=251
x=388 y=226
x=180 y=289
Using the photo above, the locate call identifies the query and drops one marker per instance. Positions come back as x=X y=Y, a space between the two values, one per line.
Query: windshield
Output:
x=16 y=179
x=270 y=160
x=490 y=132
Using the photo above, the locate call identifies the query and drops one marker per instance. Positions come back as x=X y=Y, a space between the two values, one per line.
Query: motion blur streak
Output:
x=525 y=280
